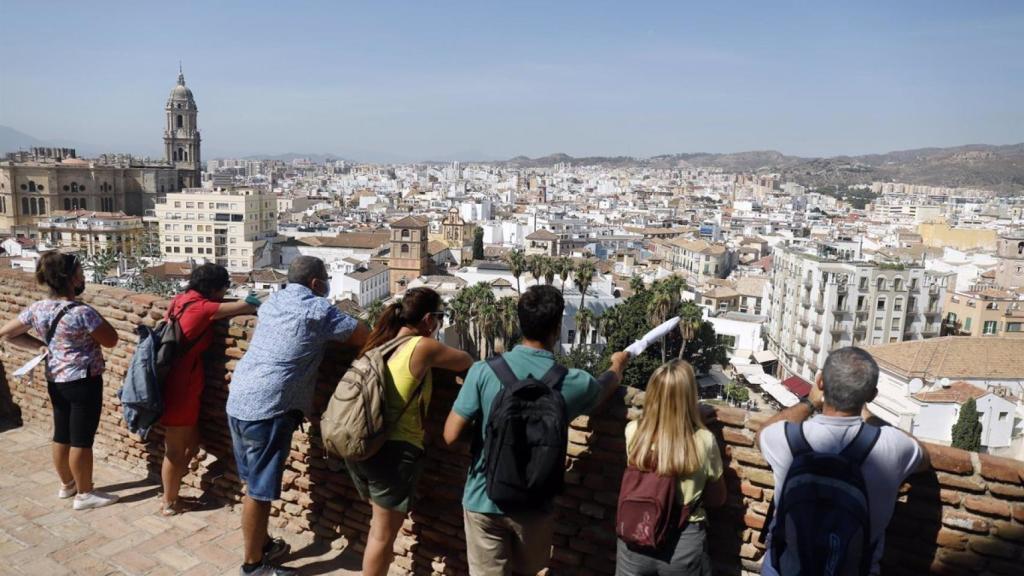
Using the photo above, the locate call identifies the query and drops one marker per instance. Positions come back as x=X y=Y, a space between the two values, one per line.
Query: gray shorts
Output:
x=388 y=478
x=687 y=557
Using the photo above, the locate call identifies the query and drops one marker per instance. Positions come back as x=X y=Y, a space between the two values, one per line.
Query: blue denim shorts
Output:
x=261 y=448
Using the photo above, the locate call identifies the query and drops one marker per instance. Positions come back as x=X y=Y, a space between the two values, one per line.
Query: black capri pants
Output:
x=76 y=410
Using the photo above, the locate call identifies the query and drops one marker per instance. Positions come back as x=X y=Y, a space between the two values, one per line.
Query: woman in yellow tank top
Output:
x=388 y=478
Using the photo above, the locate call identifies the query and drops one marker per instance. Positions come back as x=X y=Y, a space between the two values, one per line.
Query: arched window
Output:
x=42 y=205
x=74 y=186
x=33 y=204
x=897 y=284
x=1020 y=249
x=405 y=248
x=24 y=206
x=405 y=234
x=179 y=121
x=67 y=203
x=81 y=203
x=31 y=186
x=881 y=283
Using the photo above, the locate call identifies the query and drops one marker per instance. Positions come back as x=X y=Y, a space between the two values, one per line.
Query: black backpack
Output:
x=823 y=524
x=171 y=343
x=526 y=439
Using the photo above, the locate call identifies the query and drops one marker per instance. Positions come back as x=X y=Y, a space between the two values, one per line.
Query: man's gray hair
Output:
x=305 y=269
x=851 y=379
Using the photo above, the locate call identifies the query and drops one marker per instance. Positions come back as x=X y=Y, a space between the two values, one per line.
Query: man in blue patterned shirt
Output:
x=272 y=389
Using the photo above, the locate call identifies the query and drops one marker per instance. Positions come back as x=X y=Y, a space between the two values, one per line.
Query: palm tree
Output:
x=488 y=320
x=564 y=268
x=517 y=263
x=550 y=270
x=636 y=284
x=584 y=322
x=690 y=319
x=583 y=277
x=373 y=312
x=535 y=264
x=482 y=312
x=508 y=319
x=658 y=310
x=459 y=314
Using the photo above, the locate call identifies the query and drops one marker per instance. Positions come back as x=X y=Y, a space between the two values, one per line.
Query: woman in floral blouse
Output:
x=71 y=335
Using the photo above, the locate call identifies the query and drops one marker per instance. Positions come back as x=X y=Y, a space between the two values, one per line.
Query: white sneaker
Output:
x=94 y=499
x=67 y=490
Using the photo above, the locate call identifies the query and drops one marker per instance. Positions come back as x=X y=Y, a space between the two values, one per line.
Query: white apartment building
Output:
x=360 y=281
x=819 y=303
x=232 y=228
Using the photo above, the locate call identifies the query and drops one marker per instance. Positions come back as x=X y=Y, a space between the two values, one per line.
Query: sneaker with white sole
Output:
x=94 y=499
x=67 y=490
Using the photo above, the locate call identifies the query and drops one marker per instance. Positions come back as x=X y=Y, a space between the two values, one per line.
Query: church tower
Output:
x=181 y=135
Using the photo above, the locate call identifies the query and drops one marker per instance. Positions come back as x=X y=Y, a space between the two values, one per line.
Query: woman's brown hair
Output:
x=408 y=311
x=57 y=271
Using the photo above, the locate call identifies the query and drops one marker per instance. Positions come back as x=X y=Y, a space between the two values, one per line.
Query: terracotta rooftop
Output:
x=954 y=357
x=410 y=222
x=359 y=240
x=958 y=392
x=542 y=235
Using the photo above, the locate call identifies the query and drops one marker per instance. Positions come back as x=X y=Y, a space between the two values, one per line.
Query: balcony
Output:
x=806 y=303
x=808 y=283
x=837 y=328
x=819 y=307
x=842 y=288
x=862 y=313
x=860 y=329
x=932 y=313
x=804 y=322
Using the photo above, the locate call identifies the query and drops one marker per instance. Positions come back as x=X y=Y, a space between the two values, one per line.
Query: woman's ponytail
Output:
x=409 y=311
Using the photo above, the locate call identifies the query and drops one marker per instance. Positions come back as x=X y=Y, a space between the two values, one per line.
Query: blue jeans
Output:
x=261 y=448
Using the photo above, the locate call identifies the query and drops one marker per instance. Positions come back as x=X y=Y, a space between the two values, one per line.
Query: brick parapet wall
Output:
x=965 y=516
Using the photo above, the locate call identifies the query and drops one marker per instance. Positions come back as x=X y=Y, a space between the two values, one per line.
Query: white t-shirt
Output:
x=893 y=458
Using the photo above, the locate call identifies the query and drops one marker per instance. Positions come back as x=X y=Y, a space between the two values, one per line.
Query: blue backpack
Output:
x=142 y=395
x=823 y=522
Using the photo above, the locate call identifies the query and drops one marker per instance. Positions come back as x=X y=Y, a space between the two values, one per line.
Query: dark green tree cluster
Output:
x=967 y=430
x=478 y=243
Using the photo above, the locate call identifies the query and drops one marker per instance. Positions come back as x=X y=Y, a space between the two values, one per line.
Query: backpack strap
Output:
x=555 y=376
x=798 y=444
x=56 y=320
x=502 y=370
x=186 y=343
x=857 y=450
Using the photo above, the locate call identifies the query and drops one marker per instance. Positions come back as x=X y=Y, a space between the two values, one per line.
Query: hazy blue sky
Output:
x=435 y=80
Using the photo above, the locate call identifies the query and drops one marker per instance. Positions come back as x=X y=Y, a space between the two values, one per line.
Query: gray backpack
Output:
x=353 y=426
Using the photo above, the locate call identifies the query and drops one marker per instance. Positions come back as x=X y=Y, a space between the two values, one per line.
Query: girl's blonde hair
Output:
x=664 y=438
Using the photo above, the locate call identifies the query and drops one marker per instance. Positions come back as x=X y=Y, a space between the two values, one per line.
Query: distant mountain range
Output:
x=999 y=168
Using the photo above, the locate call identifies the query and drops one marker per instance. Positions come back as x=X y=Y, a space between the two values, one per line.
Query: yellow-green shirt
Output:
x=710 y=468
x=401 y=385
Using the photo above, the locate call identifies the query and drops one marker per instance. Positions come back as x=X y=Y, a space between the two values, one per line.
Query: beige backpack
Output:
x=353 y=426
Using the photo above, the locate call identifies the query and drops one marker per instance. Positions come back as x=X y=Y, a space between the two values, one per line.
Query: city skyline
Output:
x=474 y=84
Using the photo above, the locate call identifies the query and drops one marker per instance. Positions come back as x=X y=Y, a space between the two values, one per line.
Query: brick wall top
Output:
x=966 y=514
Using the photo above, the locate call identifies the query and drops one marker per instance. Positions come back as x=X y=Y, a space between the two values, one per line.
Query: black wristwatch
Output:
x=807 y=400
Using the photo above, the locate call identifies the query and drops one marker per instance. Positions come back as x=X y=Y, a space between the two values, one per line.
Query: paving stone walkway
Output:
x=40 y=534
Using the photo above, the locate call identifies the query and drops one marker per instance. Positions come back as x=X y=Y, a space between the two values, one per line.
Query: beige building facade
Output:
x=984 y=312
x=1010 y=252
x=233 y=228
x=409 y=254
x=93 y=232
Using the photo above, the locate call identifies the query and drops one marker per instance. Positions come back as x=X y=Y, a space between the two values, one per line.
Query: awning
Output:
x=764 y=356
x=797 y=385
x=780 y=393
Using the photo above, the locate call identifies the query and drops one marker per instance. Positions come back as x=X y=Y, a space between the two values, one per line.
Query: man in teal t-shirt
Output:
x=498 y=543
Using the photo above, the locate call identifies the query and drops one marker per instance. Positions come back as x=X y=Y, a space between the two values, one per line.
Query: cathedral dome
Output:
x=181 y=92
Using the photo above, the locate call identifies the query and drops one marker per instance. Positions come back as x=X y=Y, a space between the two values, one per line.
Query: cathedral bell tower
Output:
x=181 y=135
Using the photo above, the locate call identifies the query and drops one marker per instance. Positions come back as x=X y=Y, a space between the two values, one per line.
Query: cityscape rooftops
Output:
x=958 y=357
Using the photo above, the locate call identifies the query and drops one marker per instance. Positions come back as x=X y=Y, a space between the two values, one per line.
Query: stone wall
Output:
x=966 y=515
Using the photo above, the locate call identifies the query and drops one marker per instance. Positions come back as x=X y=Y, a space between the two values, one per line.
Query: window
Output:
x=967 y=323
x=1015 y=326
x=880 y=284
x=81 y=203
x=405 y=248
x=880 y=305
x=898 y=305
x=991 y=326
x=405 y=234
x=179 y=122
x=727 y=340
x=24 y=205
x=1002 y=416
x=897 y=284
x=992 y=306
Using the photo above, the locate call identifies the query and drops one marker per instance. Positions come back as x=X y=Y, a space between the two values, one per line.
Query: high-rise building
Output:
x=181 y=135
x=233 y=228
x=820 y=301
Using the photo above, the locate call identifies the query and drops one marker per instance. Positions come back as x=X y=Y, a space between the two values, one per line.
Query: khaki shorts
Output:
x=500 y=545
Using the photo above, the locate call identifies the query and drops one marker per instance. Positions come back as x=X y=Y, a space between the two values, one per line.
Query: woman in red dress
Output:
x=196 y=310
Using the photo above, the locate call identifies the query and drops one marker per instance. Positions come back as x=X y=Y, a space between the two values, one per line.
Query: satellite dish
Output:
x=944 y=382
x=915 y=385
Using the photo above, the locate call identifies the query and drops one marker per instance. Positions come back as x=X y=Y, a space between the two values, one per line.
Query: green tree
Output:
x=508 y=320
x=478 y=243
x=535 y=264
x=967 y=430
x=583 y=277
x=564 y=268
x=584 y=322
x=373 y=312
x=737 y=392
x=101 y=262
x=517 y=264
x=550 y=270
